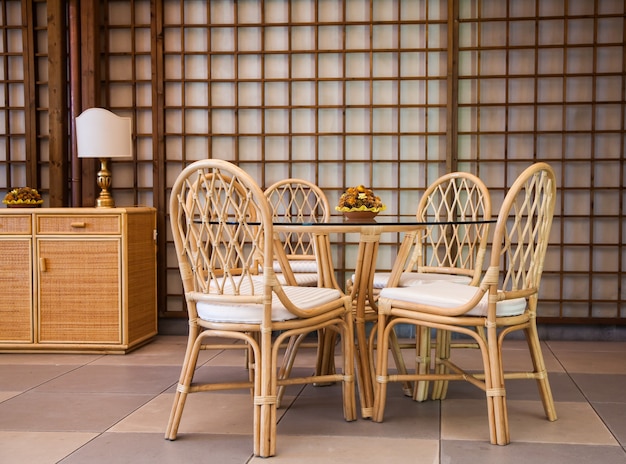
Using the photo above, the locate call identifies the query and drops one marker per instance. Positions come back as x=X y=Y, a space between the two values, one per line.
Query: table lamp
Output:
x=103 y=134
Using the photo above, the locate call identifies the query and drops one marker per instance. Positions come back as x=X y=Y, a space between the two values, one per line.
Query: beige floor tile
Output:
x=467 y=420
x=522 y=453
x=529 y=424
x=161 y=351
x=39 y=447
x=5 y=395
x=602 y=388
x=559 y=346
x=50 y=359
x=152 y=448
x=297 y=449
x=594 y=362
x=318 y=411
x=67 y=412
x=101 y=409
x=115 y=379
x=24 y=377
x=217 y=413
x=150 y=418
x=207 y=413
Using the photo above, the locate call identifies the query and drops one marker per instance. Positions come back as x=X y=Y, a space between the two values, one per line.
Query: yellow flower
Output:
x=359 y=199
x=23 y=196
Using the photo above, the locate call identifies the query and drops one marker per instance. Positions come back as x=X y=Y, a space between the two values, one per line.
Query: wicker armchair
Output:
x=453 y=252
x=303 y=201
x=503 y=302
x=222 y=229
x=450 y=251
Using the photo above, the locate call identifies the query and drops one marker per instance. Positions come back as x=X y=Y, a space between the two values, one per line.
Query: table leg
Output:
x=362 y=297
x=362 y=291
x=326 y=271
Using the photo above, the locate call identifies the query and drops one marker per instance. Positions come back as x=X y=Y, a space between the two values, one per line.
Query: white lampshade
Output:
x=103 y=134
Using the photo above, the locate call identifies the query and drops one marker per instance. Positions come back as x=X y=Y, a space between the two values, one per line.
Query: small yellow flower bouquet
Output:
x=359 y=199
x=23 y=197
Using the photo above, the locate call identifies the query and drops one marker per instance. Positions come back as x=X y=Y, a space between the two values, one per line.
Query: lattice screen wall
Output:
x=387 y=93
x=545 y=80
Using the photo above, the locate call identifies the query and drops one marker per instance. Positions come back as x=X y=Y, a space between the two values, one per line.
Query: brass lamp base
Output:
x=105 y=200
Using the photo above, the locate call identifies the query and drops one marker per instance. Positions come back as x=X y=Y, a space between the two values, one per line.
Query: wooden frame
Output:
x=486 y=87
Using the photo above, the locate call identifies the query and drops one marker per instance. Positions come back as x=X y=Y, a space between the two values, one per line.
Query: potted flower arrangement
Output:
x=360 y=203
x=23 y=197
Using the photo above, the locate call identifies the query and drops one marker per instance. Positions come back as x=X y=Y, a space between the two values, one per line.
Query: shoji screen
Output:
x=340 y=93
x=388 y=93
x=544 y=80
x=23 y=95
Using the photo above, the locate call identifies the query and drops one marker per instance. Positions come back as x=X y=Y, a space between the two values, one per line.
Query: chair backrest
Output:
x=458 y=249
x=222 y=230
x=299 y=200
x=521 y=235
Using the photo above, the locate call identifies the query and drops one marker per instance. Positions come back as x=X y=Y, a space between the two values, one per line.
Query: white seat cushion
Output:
x=303 y=297
x=303 y=279
x=299 y=265
x=450 y=295
x=409 y=279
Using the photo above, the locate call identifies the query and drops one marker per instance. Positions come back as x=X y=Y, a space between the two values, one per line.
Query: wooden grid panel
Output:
x=128 y=84
x=22 y=88
x=545 y=81
x=337 y=93
x=350 y=92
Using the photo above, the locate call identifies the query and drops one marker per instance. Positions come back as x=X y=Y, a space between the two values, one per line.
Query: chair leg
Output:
x=422 y=361
x=382 y=365
x=325 y=363
x=541 y=373
x=495 y=391
x=184 y=382
x=396 y=351
x=348 y=384
x=288 y=360
x=265 y=400
x=407 y=387
x=442 y=352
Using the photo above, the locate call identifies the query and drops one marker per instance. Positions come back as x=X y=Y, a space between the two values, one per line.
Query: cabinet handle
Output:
x=42 y=264
x=78 y=225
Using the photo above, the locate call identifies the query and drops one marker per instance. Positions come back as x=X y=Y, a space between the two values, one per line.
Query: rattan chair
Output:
x=222 y=228
x=504 y=301
x=446 y=250
x=302 y=201
x=298 y=200
x=450 y=251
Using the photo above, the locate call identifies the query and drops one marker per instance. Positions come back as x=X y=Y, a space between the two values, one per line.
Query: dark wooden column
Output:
x=452 y=134
x=30 y=98
x=57 y=112
x=158 y=142
x=89 y=49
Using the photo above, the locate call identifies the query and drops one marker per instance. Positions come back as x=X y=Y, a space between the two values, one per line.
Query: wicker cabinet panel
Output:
x=15 y=224
x=79 y=291
x=106 y=224
x=77 y=279
x=16 y=296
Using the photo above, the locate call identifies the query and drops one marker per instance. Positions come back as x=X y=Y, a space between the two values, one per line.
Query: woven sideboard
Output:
x=77 y=279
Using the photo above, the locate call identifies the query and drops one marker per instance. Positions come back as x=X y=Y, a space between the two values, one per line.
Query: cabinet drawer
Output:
x=83 y=224
x=14 y=224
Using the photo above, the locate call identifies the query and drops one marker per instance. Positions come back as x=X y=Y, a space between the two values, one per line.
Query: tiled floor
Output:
x=113 y=409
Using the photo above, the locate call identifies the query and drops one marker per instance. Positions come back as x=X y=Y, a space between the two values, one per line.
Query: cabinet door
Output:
x=79 y=297
x=16 y=290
